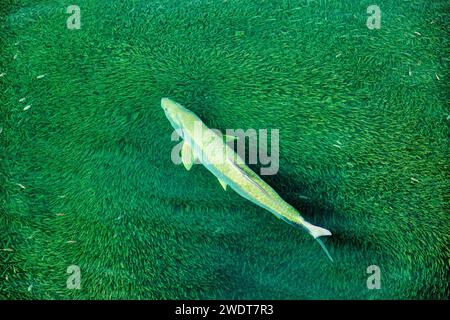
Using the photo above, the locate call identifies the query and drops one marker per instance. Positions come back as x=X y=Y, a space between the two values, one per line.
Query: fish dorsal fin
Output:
x=238 y=162
x=223 y=184
x=228 y=138
x=250 y=174
x=187 y=156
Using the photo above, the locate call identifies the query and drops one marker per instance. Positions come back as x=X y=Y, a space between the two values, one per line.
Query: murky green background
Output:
x=87 y=178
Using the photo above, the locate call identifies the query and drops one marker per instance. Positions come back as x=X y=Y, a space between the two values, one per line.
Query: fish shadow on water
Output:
x=317 y=209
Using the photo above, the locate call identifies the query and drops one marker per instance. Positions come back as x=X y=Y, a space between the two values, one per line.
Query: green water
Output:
x=87 y=177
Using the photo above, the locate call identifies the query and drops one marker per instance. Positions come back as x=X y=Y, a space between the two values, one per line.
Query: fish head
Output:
x=178 y=115
x=170 y=107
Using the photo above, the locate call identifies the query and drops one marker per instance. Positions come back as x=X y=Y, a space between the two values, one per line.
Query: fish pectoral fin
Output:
x=186 y=156
x=223 y=184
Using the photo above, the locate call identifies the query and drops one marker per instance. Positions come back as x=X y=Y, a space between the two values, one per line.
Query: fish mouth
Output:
x=164 y=103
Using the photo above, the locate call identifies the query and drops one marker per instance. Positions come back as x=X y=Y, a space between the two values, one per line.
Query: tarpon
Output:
x=204 y=145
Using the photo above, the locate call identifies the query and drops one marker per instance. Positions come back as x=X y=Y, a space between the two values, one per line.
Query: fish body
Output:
x=206 y=146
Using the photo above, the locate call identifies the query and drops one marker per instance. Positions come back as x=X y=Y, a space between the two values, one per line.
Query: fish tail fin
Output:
x=317 y=232
x=313 y=230
x=325 y=249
